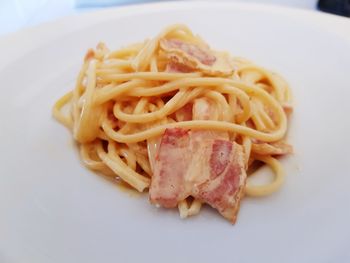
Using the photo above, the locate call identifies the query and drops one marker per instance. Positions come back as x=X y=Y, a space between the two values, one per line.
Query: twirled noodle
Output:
x=125 y=99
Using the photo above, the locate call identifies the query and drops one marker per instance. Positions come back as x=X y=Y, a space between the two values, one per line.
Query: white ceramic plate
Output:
x=54 y=210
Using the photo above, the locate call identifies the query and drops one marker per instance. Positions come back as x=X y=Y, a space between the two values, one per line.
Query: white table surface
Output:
x=19 y=14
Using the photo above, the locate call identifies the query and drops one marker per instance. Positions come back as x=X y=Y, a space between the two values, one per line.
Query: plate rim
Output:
x=113 y=13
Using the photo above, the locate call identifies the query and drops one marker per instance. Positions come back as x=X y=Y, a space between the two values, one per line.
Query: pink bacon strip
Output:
x=167 y=186
x=203 y=56
x=202 y=164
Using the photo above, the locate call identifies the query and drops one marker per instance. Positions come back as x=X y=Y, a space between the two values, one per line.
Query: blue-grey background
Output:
x=18 y=14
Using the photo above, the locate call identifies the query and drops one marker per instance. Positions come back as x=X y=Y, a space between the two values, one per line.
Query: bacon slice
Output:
x=288 y=108
x=173 y=67
x=198 y=53
x=227 y=179
x=210 y=170
x=186 y=57
x=202 y=164
x=173 y=158
x=184 y=113
x=203 y=110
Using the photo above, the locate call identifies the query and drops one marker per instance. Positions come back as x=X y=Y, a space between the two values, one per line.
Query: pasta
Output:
x=125 y=100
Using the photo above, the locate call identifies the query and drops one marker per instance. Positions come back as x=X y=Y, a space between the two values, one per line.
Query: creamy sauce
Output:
x=123 y=186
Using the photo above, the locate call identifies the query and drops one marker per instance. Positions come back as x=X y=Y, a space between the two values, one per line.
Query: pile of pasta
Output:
x=124 y=100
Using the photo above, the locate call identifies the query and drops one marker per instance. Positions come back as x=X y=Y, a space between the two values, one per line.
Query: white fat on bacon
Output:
x=187 y=57
x=201 y=164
